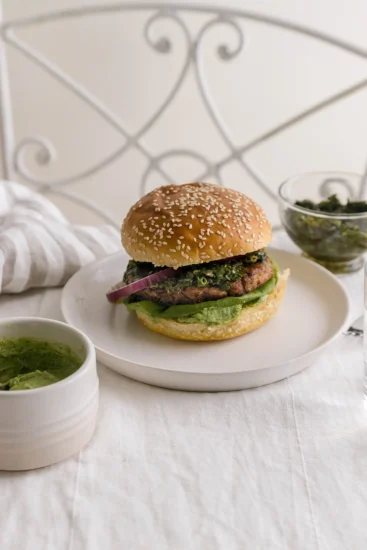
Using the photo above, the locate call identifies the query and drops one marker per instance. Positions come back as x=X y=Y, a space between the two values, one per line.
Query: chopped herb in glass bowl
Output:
x=330 y=229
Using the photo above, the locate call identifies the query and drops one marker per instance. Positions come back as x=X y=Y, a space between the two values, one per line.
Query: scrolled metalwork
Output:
x=178 y=153
x=224 y=50
x=208 y=99
x=132 y=140
x=327 y=187
x=161 y=42
x=171 y=16
x=44 y=154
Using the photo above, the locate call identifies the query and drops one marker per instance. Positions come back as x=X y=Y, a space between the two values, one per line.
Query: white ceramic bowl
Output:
x=45 y=425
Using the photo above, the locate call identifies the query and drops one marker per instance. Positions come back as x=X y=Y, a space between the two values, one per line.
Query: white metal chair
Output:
x=15 y=154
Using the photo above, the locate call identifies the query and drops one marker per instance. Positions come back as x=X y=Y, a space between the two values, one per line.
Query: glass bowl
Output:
x=336 y=241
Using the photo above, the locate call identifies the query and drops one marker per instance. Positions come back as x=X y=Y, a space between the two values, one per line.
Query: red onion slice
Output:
x=126 y=290
x=123 y=291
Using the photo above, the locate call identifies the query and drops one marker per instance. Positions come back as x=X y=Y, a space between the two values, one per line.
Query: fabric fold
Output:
x=38 y=246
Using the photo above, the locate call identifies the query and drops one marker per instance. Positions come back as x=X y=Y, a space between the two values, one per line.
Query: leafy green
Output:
x=211 y=312
x=328 y=239
x=175 y=312
x=150 y=308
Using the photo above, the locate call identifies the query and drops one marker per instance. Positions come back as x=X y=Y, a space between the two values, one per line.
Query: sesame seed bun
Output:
x=250 y=319
x=193 y=223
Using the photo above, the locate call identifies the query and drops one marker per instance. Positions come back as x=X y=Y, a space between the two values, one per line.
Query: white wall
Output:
x=277 y=75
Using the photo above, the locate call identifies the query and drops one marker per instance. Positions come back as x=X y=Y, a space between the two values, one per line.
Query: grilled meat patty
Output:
x=255 y=275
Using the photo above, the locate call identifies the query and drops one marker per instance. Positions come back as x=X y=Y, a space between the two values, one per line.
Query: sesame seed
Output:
x=222 y=212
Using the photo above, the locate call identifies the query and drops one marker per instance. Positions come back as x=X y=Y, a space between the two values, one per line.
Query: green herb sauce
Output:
x=328 y=239
x=27 y=363
x=218 y=274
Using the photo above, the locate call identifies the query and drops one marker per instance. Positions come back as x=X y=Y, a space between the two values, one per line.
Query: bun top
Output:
x=194 y=223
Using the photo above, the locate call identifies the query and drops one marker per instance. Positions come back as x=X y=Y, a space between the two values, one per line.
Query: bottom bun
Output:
x=250 y=319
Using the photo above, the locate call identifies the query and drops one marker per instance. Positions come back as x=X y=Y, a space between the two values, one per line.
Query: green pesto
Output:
x=31 y=380
x=212 y=316
x=328 y=239
x=27 y=363
x=218 y=274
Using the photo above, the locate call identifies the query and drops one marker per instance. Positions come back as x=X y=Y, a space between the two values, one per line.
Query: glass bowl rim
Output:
x=324 y=215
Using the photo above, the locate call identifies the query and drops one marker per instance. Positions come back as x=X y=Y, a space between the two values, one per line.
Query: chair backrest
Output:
x=198 y=36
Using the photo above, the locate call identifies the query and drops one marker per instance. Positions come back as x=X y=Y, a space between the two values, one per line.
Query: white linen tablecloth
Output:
x=277 y=467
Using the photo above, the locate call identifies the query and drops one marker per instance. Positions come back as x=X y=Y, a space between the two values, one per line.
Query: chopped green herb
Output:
x=219 y=274
x=328 y=239
x=333 y=205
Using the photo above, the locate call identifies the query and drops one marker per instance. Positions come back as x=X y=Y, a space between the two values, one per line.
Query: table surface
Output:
x=277 y=467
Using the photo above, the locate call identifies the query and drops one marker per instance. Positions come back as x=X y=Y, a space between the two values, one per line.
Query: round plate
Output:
x=315 y=310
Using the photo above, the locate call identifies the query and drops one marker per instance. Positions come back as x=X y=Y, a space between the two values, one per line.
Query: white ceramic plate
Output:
x=315 y=310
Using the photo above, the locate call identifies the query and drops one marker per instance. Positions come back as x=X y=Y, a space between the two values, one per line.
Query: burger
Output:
x=199 y=267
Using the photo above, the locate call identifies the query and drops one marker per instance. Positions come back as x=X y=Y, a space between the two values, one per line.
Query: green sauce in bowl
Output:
x=28 y=363
x=330 y=232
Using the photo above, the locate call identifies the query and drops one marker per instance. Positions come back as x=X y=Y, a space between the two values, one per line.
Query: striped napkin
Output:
x=38 y=246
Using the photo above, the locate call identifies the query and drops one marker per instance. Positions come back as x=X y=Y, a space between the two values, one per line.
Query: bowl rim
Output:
x=90 y=357
x=315 y=213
